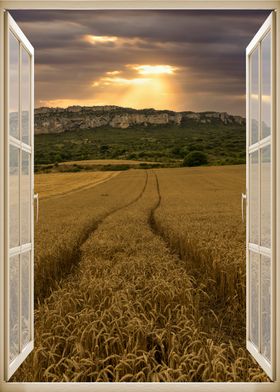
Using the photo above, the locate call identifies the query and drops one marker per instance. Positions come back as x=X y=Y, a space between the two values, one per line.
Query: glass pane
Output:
x=25 y=298
x=254 y=198
x=266 y=197
x=254 y=96
x=25 y=198
x=266 y=306
x=25 y=95
x=14 y=306
x=254 y=297
x=266 y=86
x=14 y=196
x=14 y=86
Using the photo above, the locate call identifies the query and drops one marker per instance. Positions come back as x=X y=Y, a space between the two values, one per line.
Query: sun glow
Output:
x=99 y=39
x=152 y=92
x=154 y=69
x=107 y=81
x=113 y=72
x=64 y=103
x=139 y=87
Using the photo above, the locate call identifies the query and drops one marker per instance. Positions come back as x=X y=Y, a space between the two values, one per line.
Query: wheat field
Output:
x=142 y=278
x=58 y=184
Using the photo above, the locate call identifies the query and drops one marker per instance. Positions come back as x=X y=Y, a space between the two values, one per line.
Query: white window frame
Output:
x=137 y=4
x=12 y=27
x=268 y=26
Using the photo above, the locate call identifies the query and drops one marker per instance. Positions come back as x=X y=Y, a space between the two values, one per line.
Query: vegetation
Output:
x=224 y=144
x=195 y=158
x=157 y=289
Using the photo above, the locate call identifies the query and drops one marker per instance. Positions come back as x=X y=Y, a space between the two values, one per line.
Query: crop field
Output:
x=142 y=278
x=57 y=184
x=98 y=162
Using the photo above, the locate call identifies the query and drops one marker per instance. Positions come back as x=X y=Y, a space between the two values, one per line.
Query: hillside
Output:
x=165 y=144
x=58 y=120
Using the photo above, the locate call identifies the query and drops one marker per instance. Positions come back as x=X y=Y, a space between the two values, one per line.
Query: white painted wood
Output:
x=11 y=367
x=136 y=387
x=268 y=366
x=137 y=4
x=2 y=194
x=261 y=144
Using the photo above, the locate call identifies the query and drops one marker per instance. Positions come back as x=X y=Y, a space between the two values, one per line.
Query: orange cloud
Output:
x=64 y=103
x=154 y=69
x=113 y=72
x=117 y=81
x=100 y=39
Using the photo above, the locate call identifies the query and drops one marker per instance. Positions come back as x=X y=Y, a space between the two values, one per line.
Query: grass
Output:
x=156 y=292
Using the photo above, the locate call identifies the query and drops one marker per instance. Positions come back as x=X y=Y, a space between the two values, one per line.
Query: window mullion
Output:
x=260 y=198
x=20 y=186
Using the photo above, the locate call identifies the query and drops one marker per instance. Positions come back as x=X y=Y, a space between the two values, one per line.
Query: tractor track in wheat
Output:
x=74 y=258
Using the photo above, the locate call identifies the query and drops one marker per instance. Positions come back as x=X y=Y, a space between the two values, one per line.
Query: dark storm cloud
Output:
x=208 y=47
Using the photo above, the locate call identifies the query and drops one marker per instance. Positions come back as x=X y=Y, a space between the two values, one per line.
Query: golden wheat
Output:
x=66 y=221
x=139 y=307
x=200 y=218
x=57 y=184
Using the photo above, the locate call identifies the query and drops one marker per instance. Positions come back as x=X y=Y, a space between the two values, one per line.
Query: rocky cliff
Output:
x=57 y=120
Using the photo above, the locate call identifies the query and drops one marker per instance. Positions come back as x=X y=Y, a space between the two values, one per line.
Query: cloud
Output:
x=117 y=81
x=113 y=72
x=99 y=39
x=203 y=52
x=154 y=69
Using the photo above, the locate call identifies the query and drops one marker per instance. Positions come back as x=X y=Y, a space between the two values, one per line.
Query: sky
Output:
x=176 y=60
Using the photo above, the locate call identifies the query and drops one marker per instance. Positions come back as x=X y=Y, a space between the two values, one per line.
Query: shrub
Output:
x=195 y=158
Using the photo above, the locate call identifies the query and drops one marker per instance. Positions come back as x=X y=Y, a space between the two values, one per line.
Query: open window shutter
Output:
x=19 y=242
x=260 y=56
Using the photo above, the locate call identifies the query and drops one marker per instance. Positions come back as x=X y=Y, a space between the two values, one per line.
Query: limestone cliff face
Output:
x=57 y=120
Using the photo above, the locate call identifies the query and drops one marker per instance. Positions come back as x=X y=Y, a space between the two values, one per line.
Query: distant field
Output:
x=142 y=278
x=54 y=184
x=100 y=165
x=99 y=162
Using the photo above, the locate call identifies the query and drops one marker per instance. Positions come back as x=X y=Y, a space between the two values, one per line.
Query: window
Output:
x=261 y=208
x=19 y=196
x=261 y=191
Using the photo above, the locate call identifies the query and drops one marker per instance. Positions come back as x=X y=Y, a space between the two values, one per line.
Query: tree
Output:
x=195 y=158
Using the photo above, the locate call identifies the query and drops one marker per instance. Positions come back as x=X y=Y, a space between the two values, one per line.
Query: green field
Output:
x=166 y=145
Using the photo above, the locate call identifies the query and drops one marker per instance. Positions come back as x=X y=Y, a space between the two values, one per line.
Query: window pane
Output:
x=254 y=198
x=13 y=86
x=266 y=197
x=25 y=95
x=14 y=196
x=254 y=97
x=266 y=86
x=25 y=198
x=266 y=306
x=25 y=298
x=14 y=306
x=254 y=297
